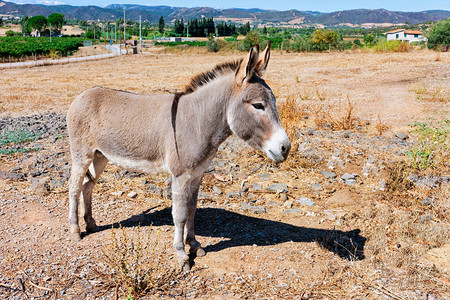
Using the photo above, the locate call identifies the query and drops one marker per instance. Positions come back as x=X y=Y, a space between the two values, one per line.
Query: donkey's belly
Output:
x=138 y=165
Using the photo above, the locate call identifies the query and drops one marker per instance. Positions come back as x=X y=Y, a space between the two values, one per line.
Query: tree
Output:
x=38 y=22
x=439 y=35
x=24 y=24
x=57 y=20
x=1 y=22
x=161 y=25
x=369 y=39
x=320 y=37
x=244 y=29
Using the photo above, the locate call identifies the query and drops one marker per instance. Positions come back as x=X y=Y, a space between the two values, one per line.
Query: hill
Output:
x=238 y=15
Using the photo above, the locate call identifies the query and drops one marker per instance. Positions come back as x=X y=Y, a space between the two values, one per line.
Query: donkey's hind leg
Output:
x=95 y=170
x=80 y=165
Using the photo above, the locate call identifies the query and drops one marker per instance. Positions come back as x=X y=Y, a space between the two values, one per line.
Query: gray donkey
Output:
x=178 y=134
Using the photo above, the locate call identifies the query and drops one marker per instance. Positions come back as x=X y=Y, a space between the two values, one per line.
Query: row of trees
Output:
x=40 y=23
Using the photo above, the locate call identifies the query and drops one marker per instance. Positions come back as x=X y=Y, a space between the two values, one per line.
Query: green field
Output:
x=18 y=47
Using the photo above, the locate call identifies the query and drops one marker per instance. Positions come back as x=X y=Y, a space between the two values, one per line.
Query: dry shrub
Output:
x=137 y=266
x=342 y=119
x=380 y=126
x=397 y=180
x=291 y=116
x=404 y=47
x=399 y=238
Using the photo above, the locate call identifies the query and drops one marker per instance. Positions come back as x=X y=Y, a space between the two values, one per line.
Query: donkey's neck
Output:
x=201 y=121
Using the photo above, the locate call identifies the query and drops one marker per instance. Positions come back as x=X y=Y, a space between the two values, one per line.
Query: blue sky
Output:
x=319 y=5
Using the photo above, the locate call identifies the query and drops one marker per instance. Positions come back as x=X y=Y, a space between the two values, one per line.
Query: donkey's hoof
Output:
x=200 y=252
x=75 y=236
x=185 y=266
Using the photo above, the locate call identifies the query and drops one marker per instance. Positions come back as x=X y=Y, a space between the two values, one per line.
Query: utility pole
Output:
x=124 y=34
x=140 y=34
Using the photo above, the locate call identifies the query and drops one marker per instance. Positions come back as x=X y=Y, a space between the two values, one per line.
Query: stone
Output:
x=347 y=176
x=401 y=135
x=317 y=187
x=278 y=187
x=217 y=190
x=40 y=188
x=246 y=205
x=288 y=204
x=258 y=209
x=351 y=182
x=328 y=174
x=235 y=194
x=118 y=193
x=256 y=187
x=283 y=197
x=293 y=211
x=329 y=214
x=132 y=194
x=305 y=201
x=273 y=203
x=427 y=201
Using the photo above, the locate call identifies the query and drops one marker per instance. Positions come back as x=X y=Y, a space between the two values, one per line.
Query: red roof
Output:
x=413 y=32
x=406 y=31
x=395 y=30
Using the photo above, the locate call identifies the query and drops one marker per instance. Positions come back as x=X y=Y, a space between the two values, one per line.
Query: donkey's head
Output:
x=252 y=113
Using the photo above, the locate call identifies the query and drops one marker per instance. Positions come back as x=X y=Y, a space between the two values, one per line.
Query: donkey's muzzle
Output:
x=278 y=146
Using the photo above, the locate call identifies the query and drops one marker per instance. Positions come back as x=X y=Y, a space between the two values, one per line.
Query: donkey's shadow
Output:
x=242 y=230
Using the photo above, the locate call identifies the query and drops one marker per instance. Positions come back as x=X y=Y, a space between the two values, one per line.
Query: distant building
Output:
x=405 y=35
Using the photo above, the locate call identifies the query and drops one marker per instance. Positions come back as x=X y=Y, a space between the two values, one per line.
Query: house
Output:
x=405 y=35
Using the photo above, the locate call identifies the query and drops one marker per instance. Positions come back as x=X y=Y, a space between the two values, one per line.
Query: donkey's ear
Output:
x=263 y=60
x=248 y=65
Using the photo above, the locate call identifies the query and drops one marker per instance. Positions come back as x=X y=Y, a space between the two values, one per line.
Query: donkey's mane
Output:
x=205 y=77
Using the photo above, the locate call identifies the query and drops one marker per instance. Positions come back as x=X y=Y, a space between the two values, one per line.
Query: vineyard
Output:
x=19 y=47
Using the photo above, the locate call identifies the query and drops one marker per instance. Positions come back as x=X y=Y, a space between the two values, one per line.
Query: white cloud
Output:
x=46 y=2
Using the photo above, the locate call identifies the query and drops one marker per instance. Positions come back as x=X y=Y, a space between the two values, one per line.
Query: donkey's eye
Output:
x=258 y=106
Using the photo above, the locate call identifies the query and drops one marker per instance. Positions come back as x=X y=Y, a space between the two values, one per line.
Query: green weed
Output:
x=11 y=137
x=433 y=146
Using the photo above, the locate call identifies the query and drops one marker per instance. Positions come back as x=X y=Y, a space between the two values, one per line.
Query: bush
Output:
x=439 y=34
x=392 y=46
x=214 y=45
x=10 y=33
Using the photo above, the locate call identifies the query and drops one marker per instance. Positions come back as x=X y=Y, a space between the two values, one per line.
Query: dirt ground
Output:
x=354 y=242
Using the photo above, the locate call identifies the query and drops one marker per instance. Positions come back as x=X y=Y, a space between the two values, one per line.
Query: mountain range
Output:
x=354 y=17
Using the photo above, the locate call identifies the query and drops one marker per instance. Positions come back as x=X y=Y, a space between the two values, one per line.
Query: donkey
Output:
x=178 y=134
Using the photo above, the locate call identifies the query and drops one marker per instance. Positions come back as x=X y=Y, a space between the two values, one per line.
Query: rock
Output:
x=118 y=193
x=328 y=174
x=40 y=188
x=427 y=201
x=132 y=194
x=401 y=135
x=347 y=176
x=235 y=194
x=278 y=187
x=246 y=205
x=283 y=197
x=258 y=209
x=346 y=134
x=317 y=187
x=256 y=187
x=273 y=203
x=57 y=183
x=305 y=201
x=351 y=182
x=293 y=211
x=329 y=214
x=288 y=204
x=217 y=190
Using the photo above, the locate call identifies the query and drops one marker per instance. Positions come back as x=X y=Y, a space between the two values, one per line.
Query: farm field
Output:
x=349 y=217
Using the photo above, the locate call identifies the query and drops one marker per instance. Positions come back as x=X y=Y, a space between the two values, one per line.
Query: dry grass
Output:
x=137 y=265
x=339 y=118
